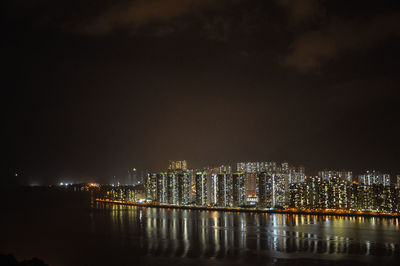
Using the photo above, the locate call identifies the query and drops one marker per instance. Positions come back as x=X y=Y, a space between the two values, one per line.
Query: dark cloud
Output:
x=301 y=10
x=218 y=28
x=140 y=12
x=103 y=17
x=313 y=48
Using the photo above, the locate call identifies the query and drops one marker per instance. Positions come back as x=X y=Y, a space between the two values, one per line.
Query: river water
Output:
x=65 y=228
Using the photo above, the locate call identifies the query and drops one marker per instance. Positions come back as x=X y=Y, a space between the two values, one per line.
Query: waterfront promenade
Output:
x=255 y=210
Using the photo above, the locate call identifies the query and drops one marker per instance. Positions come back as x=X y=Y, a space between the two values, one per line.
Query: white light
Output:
x=61 y=184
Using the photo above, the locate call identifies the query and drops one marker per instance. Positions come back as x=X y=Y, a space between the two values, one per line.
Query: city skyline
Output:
x=133 y=175
x=262 y=185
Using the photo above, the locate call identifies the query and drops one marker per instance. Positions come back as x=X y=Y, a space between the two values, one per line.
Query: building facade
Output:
x=201 y=189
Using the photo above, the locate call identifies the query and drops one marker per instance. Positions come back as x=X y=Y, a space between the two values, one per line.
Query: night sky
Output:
x=93 y=88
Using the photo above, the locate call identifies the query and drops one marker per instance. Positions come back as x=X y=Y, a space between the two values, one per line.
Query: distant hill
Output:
x=10 y=260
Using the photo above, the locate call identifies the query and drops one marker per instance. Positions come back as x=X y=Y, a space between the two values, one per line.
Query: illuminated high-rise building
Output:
x=212 y=178
x=224 y=190
x=316 y=193
x=250 y=171
x=314 y=196
x=239 y=196
x=183 y=187
x=241 y=167
x=177 y=165
x=386 y=198
x=366 y=195
x=310 y=194
x=225 y=169
x=264 y=190
x=297 y=195
x=211 y=173
x=376 y=197
x=338 y=193
x=397 y=194
x=355 y=197
x=151 y=186
x=172 y=191
x=323 y=194
x=133 y=177
x=162 y=187
x=296 y=175
x=280 y=185
x=250 y=180
x=282 y=176
x=374 y=178
x=330 y=174
x=201 y=189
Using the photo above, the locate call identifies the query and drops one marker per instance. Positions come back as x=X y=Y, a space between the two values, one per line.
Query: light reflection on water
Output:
x=211 y=234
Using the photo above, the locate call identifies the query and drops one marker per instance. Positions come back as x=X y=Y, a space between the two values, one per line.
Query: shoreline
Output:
x=248 y=210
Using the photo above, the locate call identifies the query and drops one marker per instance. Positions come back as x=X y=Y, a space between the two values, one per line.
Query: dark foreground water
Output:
x=65 y=228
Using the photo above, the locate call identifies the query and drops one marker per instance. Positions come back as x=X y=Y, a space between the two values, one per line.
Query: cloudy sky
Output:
x=93 y=88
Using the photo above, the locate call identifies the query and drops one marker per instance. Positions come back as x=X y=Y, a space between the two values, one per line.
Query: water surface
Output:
x=69 y=229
